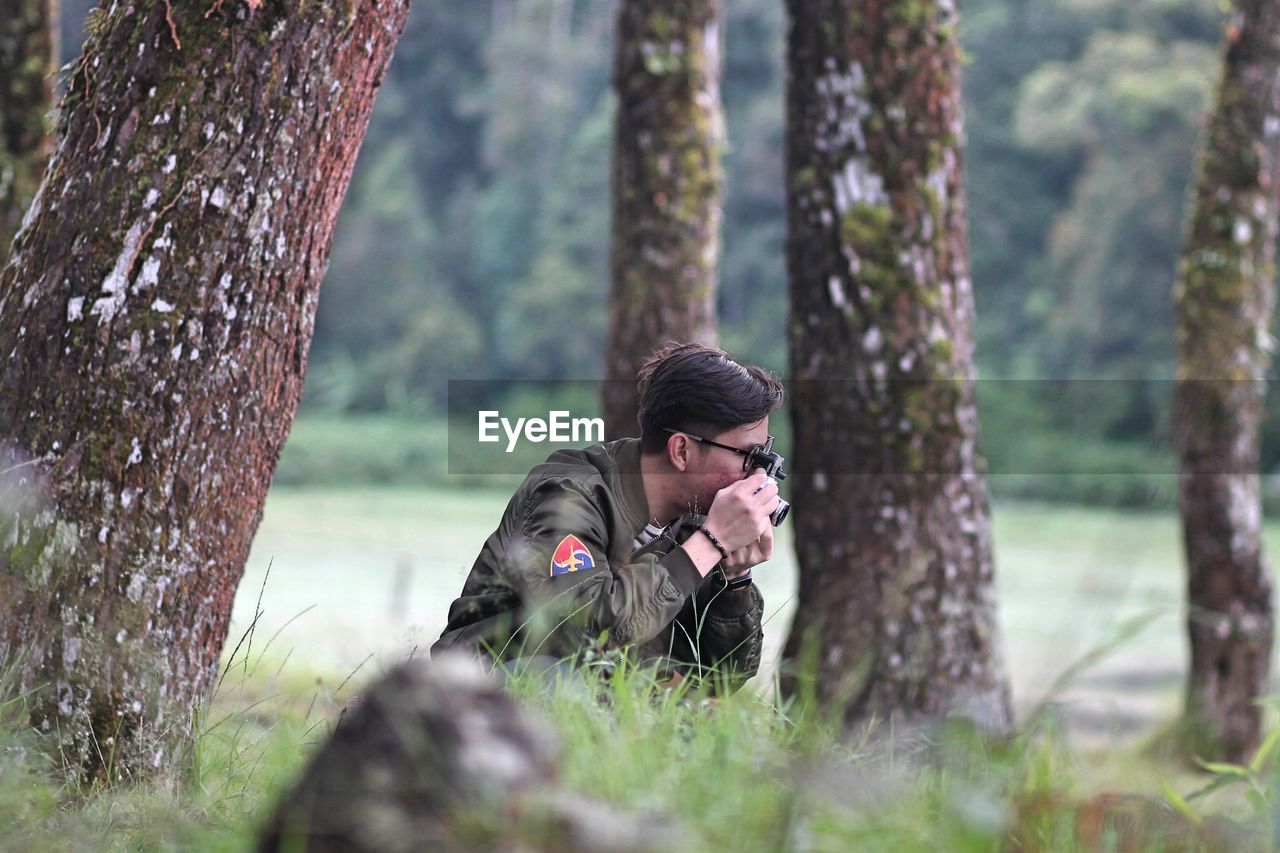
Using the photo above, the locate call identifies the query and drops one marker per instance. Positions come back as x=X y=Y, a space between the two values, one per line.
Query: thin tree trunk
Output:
x=666 y=189
x=28 y=60
x=1224 y=296
x=154 y=322
x=896 y=609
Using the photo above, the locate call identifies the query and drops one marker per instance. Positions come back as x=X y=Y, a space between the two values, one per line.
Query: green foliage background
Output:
x=473 y=243
x=475 y=234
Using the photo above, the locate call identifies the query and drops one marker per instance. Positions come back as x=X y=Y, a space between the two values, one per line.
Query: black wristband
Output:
x=714 y=541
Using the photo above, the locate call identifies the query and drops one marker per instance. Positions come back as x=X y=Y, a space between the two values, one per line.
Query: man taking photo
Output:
x=644 y=544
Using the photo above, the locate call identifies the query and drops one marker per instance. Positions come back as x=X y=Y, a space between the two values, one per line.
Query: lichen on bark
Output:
x=665 y=185
x=896 y=612
x=1224 y=298
x=154 y=321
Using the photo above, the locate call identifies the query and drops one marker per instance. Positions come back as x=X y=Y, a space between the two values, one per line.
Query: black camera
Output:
x=764 y=457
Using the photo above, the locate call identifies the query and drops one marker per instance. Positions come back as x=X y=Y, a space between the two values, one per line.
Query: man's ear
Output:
x=678 y=449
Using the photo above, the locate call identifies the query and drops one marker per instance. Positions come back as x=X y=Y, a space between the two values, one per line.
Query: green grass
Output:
x=245 y=755
x=379 y=568
x=361 y=577
x=370 y=450
x=739 y=774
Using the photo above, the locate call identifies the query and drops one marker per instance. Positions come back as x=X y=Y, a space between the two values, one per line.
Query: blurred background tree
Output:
x=895 y=615
x=28 y=57
x=1225 y=295
x=665 y=187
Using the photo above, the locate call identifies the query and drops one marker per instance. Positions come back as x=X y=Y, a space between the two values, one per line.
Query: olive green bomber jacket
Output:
x=559 y=576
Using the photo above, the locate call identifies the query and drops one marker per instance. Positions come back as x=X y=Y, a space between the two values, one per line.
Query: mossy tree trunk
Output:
x=28 y=60
x=1224 y=297
x=896 y=605
x=666 y=189
x=154 y=321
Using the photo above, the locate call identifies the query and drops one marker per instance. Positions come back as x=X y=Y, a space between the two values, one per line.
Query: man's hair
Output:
x=700 y=389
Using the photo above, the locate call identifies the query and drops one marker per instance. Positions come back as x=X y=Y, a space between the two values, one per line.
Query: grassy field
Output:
x=377 y=569
x=349 y=580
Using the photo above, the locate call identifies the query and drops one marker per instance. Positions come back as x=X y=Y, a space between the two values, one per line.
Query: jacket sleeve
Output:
x=556 y=558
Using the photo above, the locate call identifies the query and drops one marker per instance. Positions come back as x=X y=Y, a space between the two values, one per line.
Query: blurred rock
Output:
x=437 y=756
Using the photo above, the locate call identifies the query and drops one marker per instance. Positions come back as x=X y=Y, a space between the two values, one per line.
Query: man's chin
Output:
x=700 y=506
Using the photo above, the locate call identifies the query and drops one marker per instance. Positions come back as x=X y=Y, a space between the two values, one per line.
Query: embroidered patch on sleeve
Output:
x=570 y=556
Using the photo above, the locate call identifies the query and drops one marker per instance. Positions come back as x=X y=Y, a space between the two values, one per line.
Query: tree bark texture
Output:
x=28 y=61
x=1224 y=298
x=896 y=606
x=666 y=190
x=154 y=322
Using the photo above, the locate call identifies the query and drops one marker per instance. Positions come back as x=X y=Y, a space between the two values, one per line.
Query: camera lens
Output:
x=780 y=512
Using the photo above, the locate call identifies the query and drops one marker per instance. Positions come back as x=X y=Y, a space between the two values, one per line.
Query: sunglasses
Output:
x=759 y=456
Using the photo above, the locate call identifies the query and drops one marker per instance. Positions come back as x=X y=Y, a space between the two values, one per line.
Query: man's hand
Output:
x=739 y=515
x=743 y=559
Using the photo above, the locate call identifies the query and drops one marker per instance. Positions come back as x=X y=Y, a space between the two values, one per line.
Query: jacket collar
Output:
x=635 y=506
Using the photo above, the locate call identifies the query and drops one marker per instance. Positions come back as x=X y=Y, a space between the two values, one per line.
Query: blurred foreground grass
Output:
x=744 y=775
